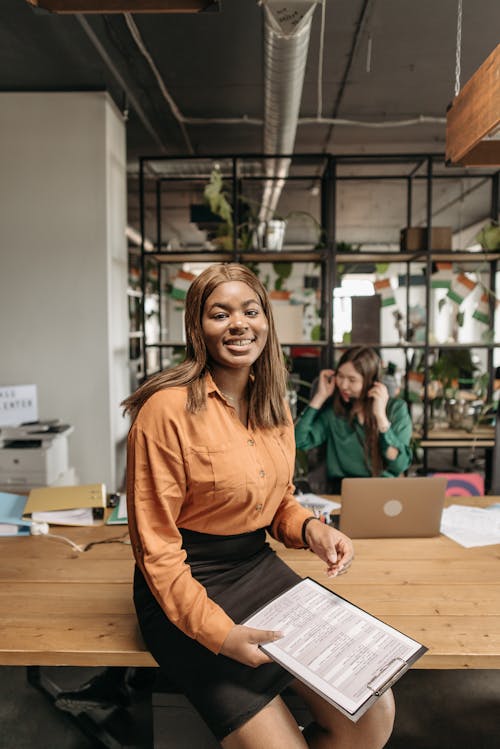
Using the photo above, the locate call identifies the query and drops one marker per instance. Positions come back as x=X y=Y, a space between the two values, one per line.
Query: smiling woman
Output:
x=211 y=456
x=235 y=328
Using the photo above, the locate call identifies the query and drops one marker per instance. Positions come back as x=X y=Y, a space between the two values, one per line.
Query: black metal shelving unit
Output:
x=328 y=173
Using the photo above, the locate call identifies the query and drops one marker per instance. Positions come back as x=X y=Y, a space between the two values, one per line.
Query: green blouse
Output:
x=345 y=455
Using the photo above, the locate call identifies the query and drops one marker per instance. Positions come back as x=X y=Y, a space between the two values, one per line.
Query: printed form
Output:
x=345 y=654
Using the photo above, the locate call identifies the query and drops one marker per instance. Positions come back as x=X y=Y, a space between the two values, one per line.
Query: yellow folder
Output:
x=54 y=498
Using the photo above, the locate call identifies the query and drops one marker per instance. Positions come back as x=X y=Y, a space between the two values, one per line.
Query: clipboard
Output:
x=346 y=655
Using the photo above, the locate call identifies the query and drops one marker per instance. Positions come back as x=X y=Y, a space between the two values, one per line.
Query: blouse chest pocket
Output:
x=217 y=472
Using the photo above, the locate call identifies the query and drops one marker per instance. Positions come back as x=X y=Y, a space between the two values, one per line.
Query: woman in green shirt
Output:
x=366 y=433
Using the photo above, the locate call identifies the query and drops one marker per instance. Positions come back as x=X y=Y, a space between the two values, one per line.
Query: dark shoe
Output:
x=102 y=691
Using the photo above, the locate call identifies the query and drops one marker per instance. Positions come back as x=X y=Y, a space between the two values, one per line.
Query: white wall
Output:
x=63 y=272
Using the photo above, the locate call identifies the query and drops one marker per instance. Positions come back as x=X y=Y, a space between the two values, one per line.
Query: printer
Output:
x=35 y=454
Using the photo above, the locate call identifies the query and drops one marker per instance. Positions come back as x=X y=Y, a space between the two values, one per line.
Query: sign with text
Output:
x=18 y=404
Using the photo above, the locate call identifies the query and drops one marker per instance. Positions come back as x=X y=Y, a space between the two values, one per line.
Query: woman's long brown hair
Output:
x=367 y=363
x=266 y=407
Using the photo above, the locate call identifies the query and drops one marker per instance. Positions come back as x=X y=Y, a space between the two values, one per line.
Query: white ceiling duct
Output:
x=287 y=30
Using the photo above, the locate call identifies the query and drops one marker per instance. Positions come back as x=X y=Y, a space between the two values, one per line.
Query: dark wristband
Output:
x=304 y=527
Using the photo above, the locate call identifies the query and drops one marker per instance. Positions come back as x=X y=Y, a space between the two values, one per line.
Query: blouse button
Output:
x=258 y=507
x=251 y=442
x=262 y=474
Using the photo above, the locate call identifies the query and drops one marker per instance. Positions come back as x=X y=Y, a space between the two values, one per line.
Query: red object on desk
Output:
x=463 y=484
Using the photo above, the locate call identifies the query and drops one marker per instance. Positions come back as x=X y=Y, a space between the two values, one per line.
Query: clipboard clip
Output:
x=391 y=678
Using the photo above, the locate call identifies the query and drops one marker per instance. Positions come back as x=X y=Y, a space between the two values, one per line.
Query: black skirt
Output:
x=240 y=573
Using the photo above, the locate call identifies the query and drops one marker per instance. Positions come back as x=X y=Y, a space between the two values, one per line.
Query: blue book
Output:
x=11 y=515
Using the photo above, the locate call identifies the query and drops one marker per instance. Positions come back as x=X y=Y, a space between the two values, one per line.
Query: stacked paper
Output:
x=472 y=526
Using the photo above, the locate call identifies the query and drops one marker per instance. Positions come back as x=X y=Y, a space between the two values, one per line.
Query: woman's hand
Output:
x=330 y=545
x=326 y=386
x=380 y=396
x=242 y=644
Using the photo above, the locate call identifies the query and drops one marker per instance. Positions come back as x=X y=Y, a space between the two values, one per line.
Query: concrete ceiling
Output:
x=383 y=61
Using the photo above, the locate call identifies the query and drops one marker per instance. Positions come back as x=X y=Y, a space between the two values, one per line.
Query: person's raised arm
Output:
x=326 y=386
x=311 y=429
x=395 y=441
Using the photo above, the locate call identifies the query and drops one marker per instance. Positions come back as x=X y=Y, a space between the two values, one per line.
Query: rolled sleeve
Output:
x=399 y=436
x=288 y=521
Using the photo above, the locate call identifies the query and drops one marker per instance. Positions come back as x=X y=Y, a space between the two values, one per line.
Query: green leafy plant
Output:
x=283 y=271
x=489 y=237
x=218 y=198
x=452 y=365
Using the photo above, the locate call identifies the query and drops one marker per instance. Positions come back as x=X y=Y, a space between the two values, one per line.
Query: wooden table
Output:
x=477 y=437
x=62 y=607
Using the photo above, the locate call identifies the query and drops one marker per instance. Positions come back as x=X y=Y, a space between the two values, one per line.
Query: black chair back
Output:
x=495 y=461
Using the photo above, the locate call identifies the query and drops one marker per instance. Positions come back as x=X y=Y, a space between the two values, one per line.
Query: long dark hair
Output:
x=367 y=363
x=266 y=407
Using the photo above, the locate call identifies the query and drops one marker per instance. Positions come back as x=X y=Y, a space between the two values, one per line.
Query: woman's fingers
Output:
x=242 y=644
x=259 y=636
x=330 y=545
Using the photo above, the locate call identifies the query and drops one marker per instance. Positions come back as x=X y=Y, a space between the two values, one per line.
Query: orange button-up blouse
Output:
x=205 y=472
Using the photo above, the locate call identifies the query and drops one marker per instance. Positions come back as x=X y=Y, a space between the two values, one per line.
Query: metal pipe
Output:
x=286 y=43
x=120 y=80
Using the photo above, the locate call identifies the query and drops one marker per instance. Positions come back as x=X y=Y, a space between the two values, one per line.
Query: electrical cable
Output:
x=136 y=36
x=124 y=539
x=320 y=59
x=458 y=51
x=43 y=529
x=120 y=80
x=257 y=121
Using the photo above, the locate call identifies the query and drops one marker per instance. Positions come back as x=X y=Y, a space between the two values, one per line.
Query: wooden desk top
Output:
x=61 y=607
x=483 y=436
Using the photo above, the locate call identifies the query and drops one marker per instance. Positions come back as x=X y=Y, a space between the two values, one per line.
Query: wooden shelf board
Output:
x=416 y=257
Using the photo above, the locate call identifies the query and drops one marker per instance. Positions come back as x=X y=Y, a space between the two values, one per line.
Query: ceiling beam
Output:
x=126 y=6
x=473 y=118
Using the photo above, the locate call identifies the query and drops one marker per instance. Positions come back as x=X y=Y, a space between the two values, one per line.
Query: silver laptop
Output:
x=392 y=508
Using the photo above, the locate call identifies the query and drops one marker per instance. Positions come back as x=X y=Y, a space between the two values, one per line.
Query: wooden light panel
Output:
x=126 y=6
x=473 y=119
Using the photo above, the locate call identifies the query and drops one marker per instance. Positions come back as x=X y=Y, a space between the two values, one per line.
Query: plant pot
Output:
x=270 y=235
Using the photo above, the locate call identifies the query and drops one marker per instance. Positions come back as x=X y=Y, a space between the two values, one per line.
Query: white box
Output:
x=38 y=466
x=288 y=319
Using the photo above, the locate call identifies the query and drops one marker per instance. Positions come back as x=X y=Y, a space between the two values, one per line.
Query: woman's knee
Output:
x=382 y=715
x=372 y=731
x=273 y=727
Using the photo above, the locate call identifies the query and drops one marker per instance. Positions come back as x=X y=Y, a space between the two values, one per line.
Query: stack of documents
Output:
x=11 y=515
x=321 y=507
x=472 y=526
x=67 y=505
